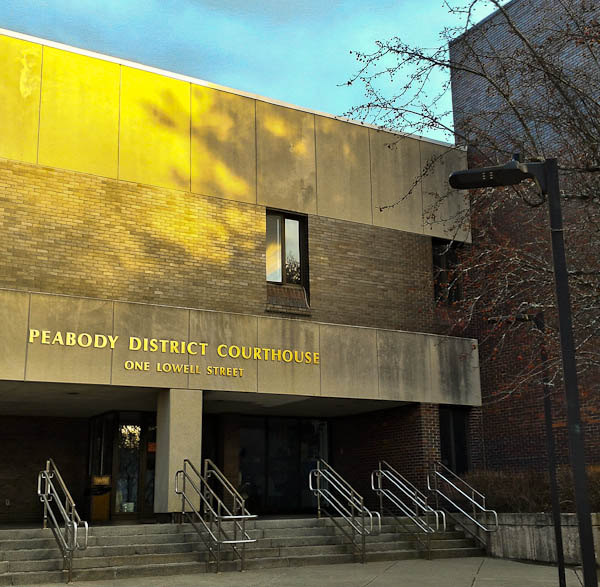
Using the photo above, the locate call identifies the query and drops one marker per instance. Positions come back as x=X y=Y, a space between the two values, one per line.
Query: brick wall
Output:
x=512 y=425
x=477 y=105
x=370 y=276
x=73 y=233
x=26 y=444
x=407 y=438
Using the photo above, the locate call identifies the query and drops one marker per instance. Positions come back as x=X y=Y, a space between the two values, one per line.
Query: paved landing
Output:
x=459 y=572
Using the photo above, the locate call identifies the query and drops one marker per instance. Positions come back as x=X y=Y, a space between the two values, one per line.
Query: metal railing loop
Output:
x=457 y=495
x=401 y=498
x=60 y=511
x=203 y=507
x=336 y=498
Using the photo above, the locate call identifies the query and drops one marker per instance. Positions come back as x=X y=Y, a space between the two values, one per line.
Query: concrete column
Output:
x=178 y=437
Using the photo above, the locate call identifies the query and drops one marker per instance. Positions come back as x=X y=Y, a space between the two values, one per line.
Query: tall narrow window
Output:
x=274 y=249
x=286 y=249
x=446 y=276
x=292 y=252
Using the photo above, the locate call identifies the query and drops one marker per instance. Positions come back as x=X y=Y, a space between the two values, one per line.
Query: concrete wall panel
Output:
x=51 y=357
x=154 y=130
x=404 y=366
x=288 y=377
x=286 y=158
x=343 y=170
x=152 y=322
x=71 y=342
x=395 y=169
x=14 y=315
x=20 y=66
x=240 y=149
x=229 y=329
x=443 y=208
x=348 y=362
x=79 y=122
x=223 y=145
x=454 y=371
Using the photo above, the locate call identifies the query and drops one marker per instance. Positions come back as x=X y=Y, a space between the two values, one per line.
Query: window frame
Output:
x=303 y=248
x=447 y=284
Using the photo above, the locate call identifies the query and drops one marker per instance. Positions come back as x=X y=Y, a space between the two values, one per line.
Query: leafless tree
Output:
x=527 y=80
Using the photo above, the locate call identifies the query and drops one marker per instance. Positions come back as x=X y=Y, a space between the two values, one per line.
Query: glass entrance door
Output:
x=276 y=455
x=127 y=470
x=122 y=462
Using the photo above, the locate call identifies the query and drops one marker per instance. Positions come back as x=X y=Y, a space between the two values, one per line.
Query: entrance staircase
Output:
x=31 y=556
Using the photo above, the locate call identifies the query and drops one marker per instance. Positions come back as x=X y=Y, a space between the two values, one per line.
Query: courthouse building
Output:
x=189 y=271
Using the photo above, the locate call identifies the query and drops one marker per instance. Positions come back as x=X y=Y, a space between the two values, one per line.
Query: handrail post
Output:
x=183 y=493
x=219 y=542
x=64 y=505
x=364 y=534
x=243 y=557
x=46 y=491
x=318 y=490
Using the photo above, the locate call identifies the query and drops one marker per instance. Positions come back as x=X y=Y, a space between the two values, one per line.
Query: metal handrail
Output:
x=212 y=513
x=475 y=499
x=411 y=503
x=337 y=493
x=238 y=502
x=417 y=506
x=65 y=527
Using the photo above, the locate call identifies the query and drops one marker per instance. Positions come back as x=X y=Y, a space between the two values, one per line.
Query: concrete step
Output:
x=298 y=531
x=105 y=561
x=111 y=573
x=30 y=556
x=457 y=552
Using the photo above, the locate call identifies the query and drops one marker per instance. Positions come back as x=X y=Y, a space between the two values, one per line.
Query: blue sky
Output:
x=297 y=52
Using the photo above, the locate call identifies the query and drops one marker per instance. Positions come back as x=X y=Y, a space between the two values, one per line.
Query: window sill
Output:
x=277 y=309
x=287 y=299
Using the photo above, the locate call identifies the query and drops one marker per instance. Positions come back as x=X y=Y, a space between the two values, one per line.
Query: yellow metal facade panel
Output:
x=79 y=122
x=154 y=137
x=286 y=158
x=223 y=145
x=343 y=170
x=20 y=77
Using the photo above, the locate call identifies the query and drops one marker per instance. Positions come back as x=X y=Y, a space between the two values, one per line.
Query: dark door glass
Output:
x=253 y=463
x=453 y=438
x=128 y=468
x=313 y=446
x=283 y=474
x=149 y=465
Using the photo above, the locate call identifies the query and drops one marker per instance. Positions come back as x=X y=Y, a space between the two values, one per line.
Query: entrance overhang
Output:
x=268 y=404
x=23 y=398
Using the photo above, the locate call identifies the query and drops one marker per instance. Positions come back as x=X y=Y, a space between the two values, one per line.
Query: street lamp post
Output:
x=540 y=324
x=545 y=174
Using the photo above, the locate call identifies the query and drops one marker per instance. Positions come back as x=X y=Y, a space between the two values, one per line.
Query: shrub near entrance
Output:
x=529 y=491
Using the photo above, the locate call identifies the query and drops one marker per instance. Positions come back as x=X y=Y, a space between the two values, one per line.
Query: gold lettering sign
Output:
x=174 y=347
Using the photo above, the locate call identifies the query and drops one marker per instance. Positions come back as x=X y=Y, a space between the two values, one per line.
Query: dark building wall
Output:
x=476 y=104
x=407 y=438
x=512 y=424
x=26 y=444
x=72 y=233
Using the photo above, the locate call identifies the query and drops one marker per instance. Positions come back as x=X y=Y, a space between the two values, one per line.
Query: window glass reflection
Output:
x=274 y=248
x=292 y=251
x=128 y=446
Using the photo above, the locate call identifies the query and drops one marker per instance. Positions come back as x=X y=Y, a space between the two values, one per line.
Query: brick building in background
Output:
x=507 y=102
x=189 y=272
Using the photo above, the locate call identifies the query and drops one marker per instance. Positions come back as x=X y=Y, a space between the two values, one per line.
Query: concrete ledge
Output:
x=530 y=537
